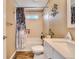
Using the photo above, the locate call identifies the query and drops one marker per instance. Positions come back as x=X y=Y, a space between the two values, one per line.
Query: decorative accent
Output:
x=51 y=33
x=42 y=35
x=28 y=31
x=54 y=10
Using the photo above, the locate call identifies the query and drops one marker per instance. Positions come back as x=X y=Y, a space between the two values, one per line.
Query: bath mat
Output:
x=24 y=55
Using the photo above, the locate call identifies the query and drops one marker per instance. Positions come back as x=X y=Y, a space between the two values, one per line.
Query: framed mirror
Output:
x=71 y=13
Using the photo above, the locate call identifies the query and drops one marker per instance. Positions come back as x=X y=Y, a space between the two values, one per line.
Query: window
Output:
x=34 y=17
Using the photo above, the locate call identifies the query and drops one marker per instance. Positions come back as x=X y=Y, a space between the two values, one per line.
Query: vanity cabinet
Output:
x=50 y=52
x=57 y=55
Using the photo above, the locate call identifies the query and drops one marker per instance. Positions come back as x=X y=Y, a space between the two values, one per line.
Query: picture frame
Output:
x=71 y=13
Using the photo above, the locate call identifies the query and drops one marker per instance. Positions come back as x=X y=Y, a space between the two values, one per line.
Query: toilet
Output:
x=38 y=52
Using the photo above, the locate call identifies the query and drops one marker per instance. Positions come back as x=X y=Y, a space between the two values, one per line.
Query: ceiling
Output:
x=31 y=3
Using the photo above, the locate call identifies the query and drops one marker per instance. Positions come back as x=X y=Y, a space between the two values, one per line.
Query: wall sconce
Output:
x=54 y=10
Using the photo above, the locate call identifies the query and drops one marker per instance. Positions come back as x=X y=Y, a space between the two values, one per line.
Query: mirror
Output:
x=70 y=13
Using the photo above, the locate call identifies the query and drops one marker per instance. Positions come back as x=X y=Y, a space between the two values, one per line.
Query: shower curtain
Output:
x=20 y=28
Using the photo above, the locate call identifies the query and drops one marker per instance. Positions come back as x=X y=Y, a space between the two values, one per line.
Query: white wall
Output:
x=36 y=27
x=58 y=24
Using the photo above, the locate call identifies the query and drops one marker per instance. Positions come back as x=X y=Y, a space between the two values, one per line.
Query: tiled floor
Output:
x=24 y=55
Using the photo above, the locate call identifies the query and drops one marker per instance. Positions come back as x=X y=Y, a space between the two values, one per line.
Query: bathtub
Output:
x=29 y=42
x=60 y=48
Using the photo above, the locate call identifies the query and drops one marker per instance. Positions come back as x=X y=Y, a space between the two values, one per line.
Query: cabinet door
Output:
x=51 y=53
x=48 y=50
x=57 y=55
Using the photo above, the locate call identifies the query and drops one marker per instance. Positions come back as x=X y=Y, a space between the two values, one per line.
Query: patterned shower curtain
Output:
x=20 y=28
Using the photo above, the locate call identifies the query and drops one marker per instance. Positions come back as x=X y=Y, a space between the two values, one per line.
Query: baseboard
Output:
x=13 y=55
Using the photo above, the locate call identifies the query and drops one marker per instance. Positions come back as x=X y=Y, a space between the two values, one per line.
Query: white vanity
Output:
x=59 y=48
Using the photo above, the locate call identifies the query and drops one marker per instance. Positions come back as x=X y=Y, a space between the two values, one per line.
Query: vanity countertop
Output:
x=62 y=47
